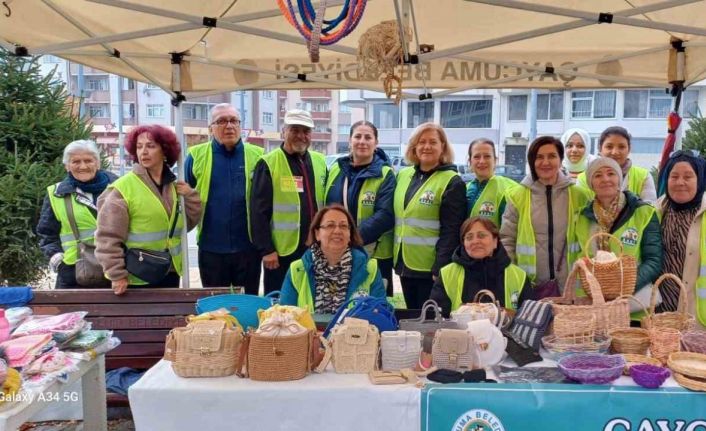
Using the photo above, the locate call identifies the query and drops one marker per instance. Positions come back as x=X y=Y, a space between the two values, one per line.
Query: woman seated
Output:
x=622 y=214
x=334 y=268
x=477 y=264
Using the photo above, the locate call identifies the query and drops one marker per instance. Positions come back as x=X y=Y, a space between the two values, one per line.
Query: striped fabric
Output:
x=675 y=228
x=531 y=322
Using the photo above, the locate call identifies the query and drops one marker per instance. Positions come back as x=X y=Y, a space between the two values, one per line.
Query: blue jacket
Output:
x=383 y=218
x=289 y=295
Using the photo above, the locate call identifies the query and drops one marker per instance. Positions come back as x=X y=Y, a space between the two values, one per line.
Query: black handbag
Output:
x=531 y=322
x=150 y=265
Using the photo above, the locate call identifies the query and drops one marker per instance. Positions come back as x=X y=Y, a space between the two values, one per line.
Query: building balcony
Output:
x=321 y=115
x=129 y=96
x=282 y=94
x=320 y=136
x=87 y=70
x=97 y=96
x=315 y=94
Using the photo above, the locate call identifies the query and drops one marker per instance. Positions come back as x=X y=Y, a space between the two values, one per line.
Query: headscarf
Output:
x=698 y=165
x=579 y=166
x=606 y=216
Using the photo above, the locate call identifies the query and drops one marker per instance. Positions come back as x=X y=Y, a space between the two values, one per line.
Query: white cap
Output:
x=298 y=117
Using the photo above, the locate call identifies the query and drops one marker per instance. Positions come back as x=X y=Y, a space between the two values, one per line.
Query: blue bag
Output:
x=375 y=310
x=242 y=307
x=15 y=296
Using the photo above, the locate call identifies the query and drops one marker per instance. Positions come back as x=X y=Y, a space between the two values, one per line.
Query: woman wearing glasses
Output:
x=684 y=232
x=333 y=268
x=477 y=264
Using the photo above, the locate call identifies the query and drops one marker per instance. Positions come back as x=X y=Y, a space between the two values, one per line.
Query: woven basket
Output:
x=694 y=341
x=557 y=349
x=570 y=329
x=664 y=341
x=615 y=278
x=688 y=364
x=592 y=368
x=279 y=358
x=649 y=376
x=609 y=315
x=630 y=340
x=206 y=349
x=679 y=320
x=693 y=383
x=632 y=359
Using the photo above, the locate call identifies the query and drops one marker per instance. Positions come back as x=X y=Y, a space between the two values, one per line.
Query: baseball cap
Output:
x=298 y=117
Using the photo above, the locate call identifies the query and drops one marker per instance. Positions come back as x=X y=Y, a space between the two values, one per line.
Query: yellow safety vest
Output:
x=488 y=203
x=85 y=222
x=286 y=216
x=382 y=249
x=701 y=280
x=453 y=275
x=417 y=226
x=149 y=221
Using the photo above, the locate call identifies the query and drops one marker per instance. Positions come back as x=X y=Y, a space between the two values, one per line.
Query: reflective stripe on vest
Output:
x=525 y=244
x=286 y=217
x=488 y=203
x=453 y=276
x=300 y=281
x=149 y=221
x=417 y=226
x=367 y=195
x=85 y=222
x=202 y=171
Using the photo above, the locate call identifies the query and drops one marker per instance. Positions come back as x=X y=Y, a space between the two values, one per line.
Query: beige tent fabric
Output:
x=265 y=51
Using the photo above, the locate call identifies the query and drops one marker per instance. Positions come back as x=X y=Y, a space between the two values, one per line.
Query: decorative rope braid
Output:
x=380 y=52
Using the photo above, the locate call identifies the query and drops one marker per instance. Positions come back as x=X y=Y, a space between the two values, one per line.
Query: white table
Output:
x=161 y=400
x=28 y=404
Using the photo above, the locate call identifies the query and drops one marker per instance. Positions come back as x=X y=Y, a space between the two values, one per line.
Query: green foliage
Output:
x=36 y=122
x=695 y=137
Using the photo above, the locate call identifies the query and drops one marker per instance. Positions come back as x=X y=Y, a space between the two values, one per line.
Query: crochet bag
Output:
x=481 y=310
x=400 y=349
x=375 y=310
x=531 y=322
x=354 y=347
x=454 y=349
x=277 y=358
x=206 y=348
x=429 y=327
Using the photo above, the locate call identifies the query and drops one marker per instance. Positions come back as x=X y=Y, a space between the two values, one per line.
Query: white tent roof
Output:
x=477 y=43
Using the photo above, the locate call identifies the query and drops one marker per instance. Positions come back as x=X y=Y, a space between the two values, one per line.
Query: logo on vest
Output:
x=478 y=420
x=630 y=237
x=487 y=209
x=427 y=198
x=368 y=199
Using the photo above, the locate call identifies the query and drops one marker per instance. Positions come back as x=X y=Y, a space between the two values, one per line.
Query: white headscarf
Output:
x=579 y=166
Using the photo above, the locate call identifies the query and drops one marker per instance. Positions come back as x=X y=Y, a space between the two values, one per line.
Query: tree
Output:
x=695 y=137
x=36 y=123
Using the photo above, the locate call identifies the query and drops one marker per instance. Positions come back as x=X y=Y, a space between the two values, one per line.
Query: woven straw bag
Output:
x=615 y=278
x=454 y=349
x=609 y=315
x=354 y=346
x=277 y=358
x=400 y=349
x=679 y=320
x=481 y=310
x=206 y=348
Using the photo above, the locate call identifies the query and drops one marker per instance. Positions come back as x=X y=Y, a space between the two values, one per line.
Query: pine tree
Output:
x=36 y=123
x=695 y=137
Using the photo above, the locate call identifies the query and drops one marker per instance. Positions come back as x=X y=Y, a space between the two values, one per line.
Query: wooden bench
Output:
x=141 y=318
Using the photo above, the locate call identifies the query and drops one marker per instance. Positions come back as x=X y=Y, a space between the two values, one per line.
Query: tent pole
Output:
x=179 y=130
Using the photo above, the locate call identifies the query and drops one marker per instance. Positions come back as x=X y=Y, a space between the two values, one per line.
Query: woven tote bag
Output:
x=400 y=349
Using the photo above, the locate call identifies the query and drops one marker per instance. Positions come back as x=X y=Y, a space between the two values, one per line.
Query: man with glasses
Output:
x=221 y=171
x=288 y=189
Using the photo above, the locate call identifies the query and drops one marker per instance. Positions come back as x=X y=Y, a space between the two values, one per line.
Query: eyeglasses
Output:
x=333 y=226
x=226 y=121
x=689 y=153
x=480 y=235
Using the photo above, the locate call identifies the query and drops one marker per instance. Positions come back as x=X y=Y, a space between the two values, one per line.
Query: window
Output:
x=647 y=104
x=517 y=108
x=690 y=100
x=195 y=111
x=386 y=115
x=320 y=107
x=267 y=95
x=128 y=110
x=593 y=104
x=646 y=145
x=477 y=114
x=50 y=59
x=419 y=112
x=98 y=110
x=344 y=129
x=267 y=117
x=128 y=84
x=96 y=84
x=344 y=108
x=155 y=111
x=550 y=106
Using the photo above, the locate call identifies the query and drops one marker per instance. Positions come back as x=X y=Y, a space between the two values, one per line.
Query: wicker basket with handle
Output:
x=615 y=278
x=630 y=340
x=279 y=358
x=679 y=320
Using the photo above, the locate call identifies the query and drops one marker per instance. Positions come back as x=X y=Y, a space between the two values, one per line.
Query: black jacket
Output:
x=261 y=196
x=487 y=273
x=452 y=213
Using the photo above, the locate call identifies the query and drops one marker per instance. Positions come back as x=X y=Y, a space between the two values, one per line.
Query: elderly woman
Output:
x=486 y=193
x=84 y=182
x=477 y=264
x=684 y=232
x=430 y=206
x=333 y=268
x=140 y=211
x=538 y=225
x=364 y=184
x=614 y=142
x=622 y=214
x=576 y=143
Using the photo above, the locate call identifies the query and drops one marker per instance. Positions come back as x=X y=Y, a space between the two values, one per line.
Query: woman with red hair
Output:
x=138 y=215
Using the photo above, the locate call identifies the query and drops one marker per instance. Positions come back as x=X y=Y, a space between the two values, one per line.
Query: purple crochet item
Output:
x=592 y=368
x=649 y=376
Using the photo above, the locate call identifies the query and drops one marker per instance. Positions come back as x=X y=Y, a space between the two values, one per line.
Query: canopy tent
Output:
x=196 y=48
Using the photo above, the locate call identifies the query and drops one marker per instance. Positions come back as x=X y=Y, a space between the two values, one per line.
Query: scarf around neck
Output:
x=95 y=186
x=331 y=281
x=606 y=218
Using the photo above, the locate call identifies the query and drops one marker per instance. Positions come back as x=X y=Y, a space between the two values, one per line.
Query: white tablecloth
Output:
x=161 y=400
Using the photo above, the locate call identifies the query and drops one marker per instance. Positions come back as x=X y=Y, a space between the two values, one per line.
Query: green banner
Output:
x=521 y=407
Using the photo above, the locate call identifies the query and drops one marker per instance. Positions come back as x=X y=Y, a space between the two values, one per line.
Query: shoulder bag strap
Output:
x=70 y=215
x=562 y=256
x=178 y=211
